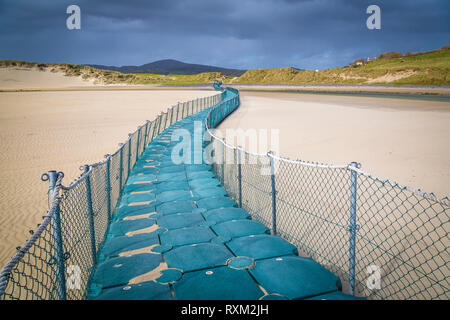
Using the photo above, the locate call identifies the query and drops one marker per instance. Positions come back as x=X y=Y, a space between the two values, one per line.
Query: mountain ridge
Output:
x=171 y=66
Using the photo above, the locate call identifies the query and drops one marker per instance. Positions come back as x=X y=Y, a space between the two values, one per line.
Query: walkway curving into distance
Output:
x=178 y=235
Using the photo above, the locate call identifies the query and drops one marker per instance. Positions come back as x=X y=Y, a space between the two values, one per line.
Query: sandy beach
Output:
x=61 y=123
x=405 y=140
x=62 y=130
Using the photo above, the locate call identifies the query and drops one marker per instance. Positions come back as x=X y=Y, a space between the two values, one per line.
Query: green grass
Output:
x=114 y=77
x=425 y=69
x=178 y=79
x=431 y=68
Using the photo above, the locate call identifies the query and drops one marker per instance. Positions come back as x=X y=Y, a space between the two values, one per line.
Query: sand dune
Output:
x=404 y=140
x=25 y=78
x=61 y=130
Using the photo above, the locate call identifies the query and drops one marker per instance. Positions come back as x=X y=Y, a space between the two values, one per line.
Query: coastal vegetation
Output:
x=391 y=68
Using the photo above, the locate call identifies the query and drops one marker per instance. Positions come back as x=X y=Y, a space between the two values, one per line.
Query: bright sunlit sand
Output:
x=62 y=130
x=405 y=140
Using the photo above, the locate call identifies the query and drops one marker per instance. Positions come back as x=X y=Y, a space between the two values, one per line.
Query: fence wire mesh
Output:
x=57 y=260
x=384 y=240
x=354 y=224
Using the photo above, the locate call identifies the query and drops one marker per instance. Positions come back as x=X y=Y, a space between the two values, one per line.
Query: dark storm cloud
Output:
x=234 y=33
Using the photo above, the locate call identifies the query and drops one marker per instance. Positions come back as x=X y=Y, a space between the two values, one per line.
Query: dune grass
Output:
x=430 y=68
x=422 y=69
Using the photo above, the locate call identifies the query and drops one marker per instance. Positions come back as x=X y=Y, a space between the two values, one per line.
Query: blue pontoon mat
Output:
x=294 y=277
x=261 y=246
x=198 y=256
x=176 y=234
x=222 y=283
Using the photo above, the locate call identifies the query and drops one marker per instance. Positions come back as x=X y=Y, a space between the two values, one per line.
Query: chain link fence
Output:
x=57 y=260
x=384 y=240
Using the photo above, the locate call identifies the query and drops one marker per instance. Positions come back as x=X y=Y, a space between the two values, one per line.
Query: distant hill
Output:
x=114 y=77
x=170 y=66
x=393 y=68
x=418 y=68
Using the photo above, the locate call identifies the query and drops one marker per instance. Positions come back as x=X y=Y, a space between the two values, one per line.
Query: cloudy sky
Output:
x=309 y=34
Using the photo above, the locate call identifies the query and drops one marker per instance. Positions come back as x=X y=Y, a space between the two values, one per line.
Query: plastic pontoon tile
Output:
x=241 y=263
x=295 y=277
x=145 y=170
x=261 y=246
x=185 y=236
x=141 y=178
x=141 y=291
x=337 y=295
x=221 y=283
x=130 y=211
x=171 y=169
x=175 y=207
x=180 y=220
x=123 y=226
x=197 y=167
x=226 y=214
x=200 y=175
x=113 y=247
x=211 y=192
x=171 y=186
x=120 y=270
x=204 y=183
x=136 y=198
x=239 y=228
x=151 y=157
x=215 y=203
x=170 y=196
x=197 y=256
x=139 y=187
x=177 y=176
x=168 y=163
x=273 y=296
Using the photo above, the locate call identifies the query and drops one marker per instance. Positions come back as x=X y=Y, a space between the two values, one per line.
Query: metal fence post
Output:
x=145 y=135
x=129 y=155
x=155 y=123
x=159 y=122
x=108 y=185
x=274 y=193
x=223 y=162
x=138 y=141
x=239 y=175
x=165 y=121
x=352 y=228
x=52 y=177
x=90 y=214
x=121 y=165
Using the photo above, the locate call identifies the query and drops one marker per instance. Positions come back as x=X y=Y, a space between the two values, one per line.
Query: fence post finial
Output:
x=90 y=214
x=352 y=227
x=52 y=177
